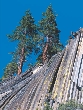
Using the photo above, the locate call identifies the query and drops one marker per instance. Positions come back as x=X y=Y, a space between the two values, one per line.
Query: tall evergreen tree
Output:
x=27 y=37
x=48 y=28
x=10 y=69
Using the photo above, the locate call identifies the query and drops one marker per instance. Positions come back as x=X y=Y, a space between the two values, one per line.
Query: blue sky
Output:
x=70 y=18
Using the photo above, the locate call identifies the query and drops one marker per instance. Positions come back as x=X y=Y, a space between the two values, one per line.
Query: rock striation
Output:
x=57 y=81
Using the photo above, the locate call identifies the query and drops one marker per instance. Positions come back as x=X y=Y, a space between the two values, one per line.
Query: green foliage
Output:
x=10 y=69
x=39 y=58
x=48 y=28
x=26 y=28
x=48 y=24
x=49 y=63
x=47 y=107
x=31 y=37
x=27 y=38
x=0 y=79
x=70 y=105
x=26 y=35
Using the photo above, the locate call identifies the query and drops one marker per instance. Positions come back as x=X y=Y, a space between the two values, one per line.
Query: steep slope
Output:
x=57 y=81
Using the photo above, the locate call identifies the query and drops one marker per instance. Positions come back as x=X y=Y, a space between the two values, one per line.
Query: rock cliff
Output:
x=57 y=81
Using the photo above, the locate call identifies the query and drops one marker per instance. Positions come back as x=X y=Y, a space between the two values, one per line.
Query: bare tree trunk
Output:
x=44 y=52
x=21 y=61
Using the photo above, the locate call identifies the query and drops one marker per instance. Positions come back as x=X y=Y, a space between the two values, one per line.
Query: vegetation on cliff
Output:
x=70 y=105
x=50 y=32
x=42 y=39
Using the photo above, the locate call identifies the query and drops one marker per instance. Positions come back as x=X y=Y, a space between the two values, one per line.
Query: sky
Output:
x=70 y=18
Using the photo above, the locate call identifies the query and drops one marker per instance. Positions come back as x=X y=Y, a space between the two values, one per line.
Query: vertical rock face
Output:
x=57 y=81
x=69 y=82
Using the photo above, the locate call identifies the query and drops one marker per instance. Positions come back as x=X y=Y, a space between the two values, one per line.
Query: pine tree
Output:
x=27 y=37
x=39 y=58
x=48 y=28
x=10 y=69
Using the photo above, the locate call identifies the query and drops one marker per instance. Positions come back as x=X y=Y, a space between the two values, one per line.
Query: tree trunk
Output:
x=22 y=57
x=44 y=52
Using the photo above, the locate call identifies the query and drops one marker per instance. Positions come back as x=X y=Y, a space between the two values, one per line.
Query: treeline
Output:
x=42 y=39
